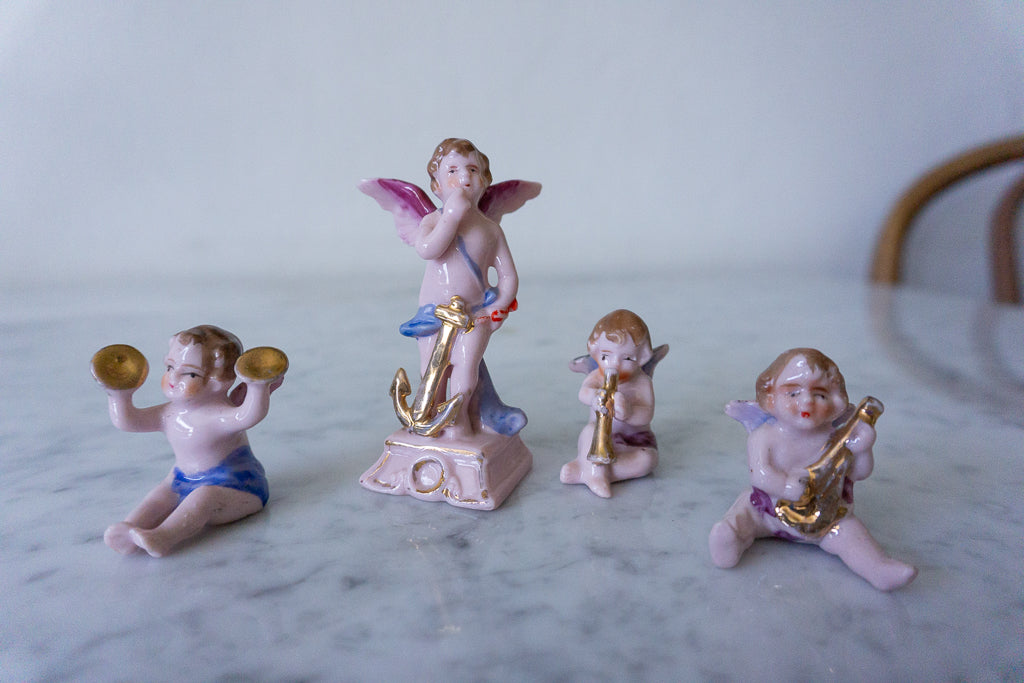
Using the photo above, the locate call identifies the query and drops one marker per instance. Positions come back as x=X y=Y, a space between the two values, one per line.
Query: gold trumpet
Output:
x=821 y=505
x=601 y=450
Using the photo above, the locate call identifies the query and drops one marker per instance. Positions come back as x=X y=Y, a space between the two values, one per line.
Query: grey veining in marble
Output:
x=333 y=582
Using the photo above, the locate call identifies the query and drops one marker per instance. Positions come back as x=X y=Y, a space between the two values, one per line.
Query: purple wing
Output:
x=507 y=196
x=407 y=202
x=844 y=416
x=584 y=364
x=659 y=353
x=747 y=413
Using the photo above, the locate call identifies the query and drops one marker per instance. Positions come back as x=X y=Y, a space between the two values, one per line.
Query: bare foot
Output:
x=149 y=541
x=597 y=480
x=570 y=473
x=725 y=545
x=892 y=575
x=117 y=537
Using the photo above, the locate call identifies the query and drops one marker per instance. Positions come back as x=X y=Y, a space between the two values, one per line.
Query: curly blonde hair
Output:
x=816 y=360
x=617 y=324
x=220 y=349
x=463 y=147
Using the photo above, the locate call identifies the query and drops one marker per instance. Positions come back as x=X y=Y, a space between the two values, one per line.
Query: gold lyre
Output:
x=601 y=450
x=821 y=504
x=424 y=417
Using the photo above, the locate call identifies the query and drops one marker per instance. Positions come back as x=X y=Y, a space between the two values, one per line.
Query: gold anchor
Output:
x=424 y=418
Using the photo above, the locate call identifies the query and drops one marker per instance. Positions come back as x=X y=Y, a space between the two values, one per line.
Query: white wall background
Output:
x=149 y=140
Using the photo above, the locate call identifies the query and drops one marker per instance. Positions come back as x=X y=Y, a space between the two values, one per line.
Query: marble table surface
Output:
x=334 y=582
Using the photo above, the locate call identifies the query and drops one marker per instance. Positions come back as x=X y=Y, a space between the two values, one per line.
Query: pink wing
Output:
x=507 y=196
x=407 y=202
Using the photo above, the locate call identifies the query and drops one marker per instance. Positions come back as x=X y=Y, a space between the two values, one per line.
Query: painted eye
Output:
x=170 y=368
x=193 y=375
x=604 y=356
x=631 y=359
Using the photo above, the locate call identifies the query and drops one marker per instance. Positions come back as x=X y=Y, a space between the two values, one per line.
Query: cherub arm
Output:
x=634 y=403
x=860 y=444
x=437 y=231
x=508 y=282
x=128 y=418
x=592 y=384
x=254 y=406
x=764 y=474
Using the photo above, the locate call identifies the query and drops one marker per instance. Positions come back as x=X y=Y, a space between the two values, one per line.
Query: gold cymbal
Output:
x=120 y=367
x=261 y=364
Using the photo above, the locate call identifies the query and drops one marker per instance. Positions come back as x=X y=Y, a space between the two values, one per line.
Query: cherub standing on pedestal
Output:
x=459 y=308
x=461 y=242
x=215 y=478
x=807 y=446
x=617 y=443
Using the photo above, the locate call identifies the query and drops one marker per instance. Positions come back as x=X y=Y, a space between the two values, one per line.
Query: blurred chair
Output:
x=886 y=267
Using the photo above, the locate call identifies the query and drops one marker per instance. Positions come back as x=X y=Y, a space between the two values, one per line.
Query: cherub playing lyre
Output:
x=807 y=446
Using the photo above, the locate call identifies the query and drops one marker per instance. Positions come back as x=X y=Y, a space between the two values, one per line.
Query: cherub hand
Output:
x=620 y=405
x=862 y=438
x=796 y=484
x=458 y=203
x=495 y=317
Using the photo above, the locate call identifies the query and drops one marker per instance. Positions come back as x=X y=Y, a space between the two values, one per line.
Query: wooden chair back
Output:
x=887 y=263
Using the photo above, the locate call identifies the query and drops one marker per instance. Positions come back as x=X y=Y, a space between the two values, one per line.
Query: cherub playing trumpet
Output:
x=215 y=478
x=617 y=442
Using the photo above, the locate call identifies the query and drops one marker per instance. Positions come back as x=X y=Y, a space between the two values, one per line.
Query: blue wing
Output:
x=747 y=413
x=586 y=364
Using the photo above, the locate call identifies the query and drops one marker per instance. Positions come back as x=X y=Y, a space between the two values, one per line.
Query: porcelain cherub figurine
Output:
x=456 y=410
x=617 y=443
x=215 y=478
x=806 y=447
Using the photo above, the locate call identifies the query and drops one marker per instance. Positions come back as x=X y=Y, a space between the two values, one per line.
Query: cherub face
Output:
x=804 y=398
x=185 y=377
x=459 y=172
x=623 y=358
